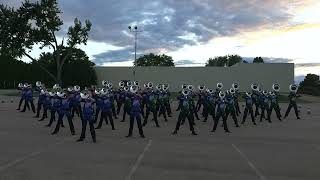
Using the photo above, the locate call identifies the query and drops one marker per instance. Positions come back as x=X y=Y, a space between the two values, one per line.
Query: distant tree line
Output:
x=165 y=60
x=78 y=70
x=310 y=85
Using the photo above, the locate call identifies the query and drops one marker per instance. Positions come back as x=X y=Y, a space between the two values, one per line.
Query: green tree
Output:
x=37 y=23
x=258 y=60
x=310 y=85
x=154 y=60
x=228 y=60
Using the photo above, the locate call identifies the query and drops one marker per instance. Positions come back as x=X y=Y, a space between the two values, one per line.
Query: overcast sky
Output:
x=191 y=31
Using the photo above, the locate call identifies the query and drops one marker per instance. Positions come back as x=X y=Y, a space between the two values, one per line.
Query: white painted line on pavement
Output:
x=136 y=165
x=253 y=167
x=28 y=156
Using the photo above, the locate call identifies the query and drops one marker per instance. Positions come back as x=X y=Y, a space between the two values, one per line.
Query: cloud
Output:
x=171 y=24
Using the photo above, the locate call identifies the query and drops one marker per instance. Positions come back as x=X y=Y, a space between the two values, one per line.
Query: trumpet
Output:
x=38 y=84
x=52 y=94
x=201 y=87
x=84 y=95
x=184 y=86
x=20 y=85
x=104 y=83
x=232 y=91
x=76 y=88
x=126 y=88
x=150 y=85
x=129 y=83
x=222 y=95
x=276 y=87
x=255 y=87
x=235 y=86
x=159 y=87
x=293 y=88
x=97 y=91
x=56 y=86
x=165 y=87
x=134 y=89
x=190 y=87
x=109 y=85
x=185 y=92
x=219 y=86
x=70 y=89
x=121 y=84
x=61 y=94
x=210 y=91
x=104 y=91
x=136 y=83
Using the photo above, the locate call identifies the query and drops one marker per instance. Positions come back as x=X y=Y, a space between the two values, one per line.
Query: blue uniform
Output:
x=87 y=117
x=64 y=110
x=221 y=112
x=135 y=113
x=106 y=111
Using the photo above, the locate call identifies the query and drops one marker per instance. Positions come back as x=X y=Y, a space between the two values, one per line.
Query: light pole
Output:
x=135 y=31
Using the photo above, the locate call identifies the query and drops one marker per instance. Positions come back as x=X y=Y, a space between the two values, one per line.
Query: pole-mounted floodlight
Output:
x=135 y=31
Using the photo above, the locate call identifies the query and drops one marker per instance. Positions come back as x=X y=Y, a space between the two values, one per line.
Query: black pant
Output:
x=126 y=111
x=263 y=110
x=224 y=120
x=276 y=109
x=209 y=110
x=20 y=102
x=114 y=113
x=138 y=119
x=60 y=121
x=45 y=112
x=52 y=117
x=39 y=105
x=234 y=116
x=237 y=107
x=245 y=114
x=77 y=109
x=105 y=116
x=182 y=117
x=257 y=110
x=155 y=118
x=294 y=105
x=199 y=104
x=84 y=127
x=163 y=111
x=168 y=108
x=97 y=115
x=26 y=103
x=119 y=104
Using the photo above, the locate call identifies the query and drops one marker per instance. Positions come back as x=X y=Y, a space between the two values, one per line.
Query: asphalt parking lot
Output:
x=288 y=150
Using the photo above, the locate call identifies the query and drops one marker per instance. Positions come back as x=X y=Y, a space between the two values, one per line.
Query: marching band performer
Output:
x=293 y=100
x=28 y=98
x=106 y=110
x=274 y=105
x=231 y=107
x=64 y=110
x=87 y=117
x=185 y=112
x=135 y=111
x=264 y=105
x=152 y=107
x=39 y=88
x=248 y=108
x=221 y=112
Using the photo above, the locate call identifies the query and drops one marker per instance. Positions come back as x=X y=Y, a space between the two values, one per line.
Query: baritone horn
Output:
x=276 y=87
